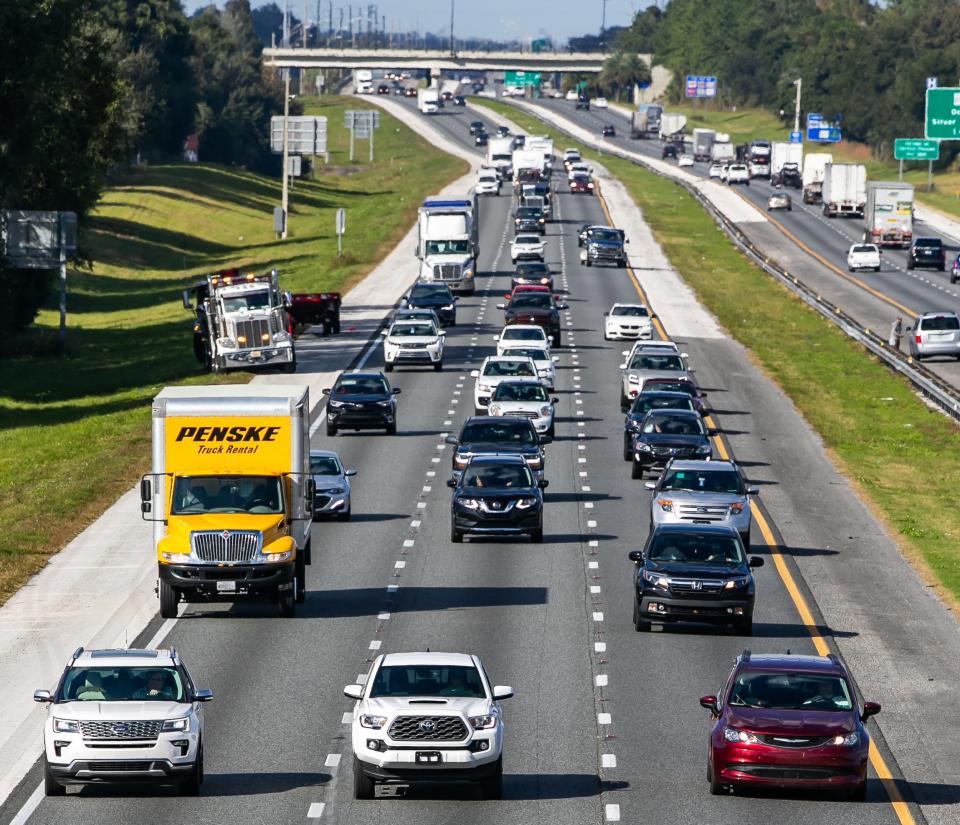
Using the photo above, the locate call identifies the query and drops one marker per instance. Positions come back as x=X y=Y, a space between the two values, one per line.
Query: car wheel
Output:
x=587 y=262
x=388 y=367
x=627 y=447
x=745 y=539
x=537 y=535
x=169 y=599
x=745 y=628
x=345 y=515
x=392 y=428
x=789 y=209
x=716 y=786
x=438 y=366
x=877 y=269
x=308 y=552
x=300 y=574
x=191 y=785
x=552 y=430
x=636 y=470
x=640 y=624
x=50 y=785
x=363 y=785
x=287 y=601
x=909 y=264
x=456 y=536
x=953 y=279
x=492 y=786
x=859 y=793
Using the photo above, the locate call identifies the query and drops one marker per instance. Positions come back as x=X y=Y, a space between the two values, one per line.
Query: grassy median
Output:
x=900 y=454
x=74 y=431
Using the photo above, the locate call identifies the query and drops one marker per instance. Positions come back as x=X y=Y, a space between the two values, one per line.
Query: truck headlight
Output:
x=283 y=555
x=179 y=725
x=167 y=556
x=736 y=508
x=281 y=337
x=226 y=343
x=736 y=584
x=655 y=579
x=534 y=462
x=483 y=722
x=66 y=725
x=666 y=505
x=368 y=720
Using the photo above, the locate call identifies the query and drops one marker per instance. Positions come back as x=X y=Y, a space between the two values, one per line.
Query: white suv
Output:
x=427 y=717
x=413 y=342
x=123 y=716
x=495 y=369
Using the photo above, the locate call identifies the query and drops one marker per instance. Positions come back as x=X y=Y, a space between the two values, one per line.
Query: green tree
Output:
x=621 y=72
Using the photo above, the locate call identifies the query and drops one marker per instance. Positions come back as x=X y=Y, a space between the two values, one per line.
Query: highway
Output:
x=874 y=298
x=547 y=619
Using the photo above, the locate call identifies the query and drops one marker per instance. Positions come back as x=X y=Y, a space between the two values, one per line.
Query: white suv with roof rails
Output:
x=123 y=716
x=427 y=717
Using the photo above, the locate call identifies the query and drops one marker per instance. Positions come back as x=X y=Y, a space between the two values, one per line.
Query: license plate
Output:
x=226 y=587
x=256 y=353
x=428 y=757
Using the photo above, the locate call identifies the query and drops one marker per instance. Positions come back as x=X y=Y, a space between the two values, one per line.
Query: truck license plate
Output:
x=256 y=353
x=428 y=757
x=226 y=587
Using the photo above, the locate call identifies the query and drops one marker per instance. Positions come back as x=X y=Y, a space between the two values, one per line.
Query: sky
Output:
x=506 y=19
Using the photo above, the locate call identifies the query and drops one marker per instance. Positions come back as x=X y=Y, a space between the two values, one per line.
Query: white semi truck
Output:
x=814 y=165
x=888 y=216
x=428 y=100
x=672 y=125
x=844 y=189
x=448 y=241
x=758 y=159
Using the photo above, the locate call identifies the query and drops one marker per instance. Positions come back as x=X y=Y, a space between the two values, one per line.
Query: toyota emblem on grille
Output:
x=428 y=726
x=225 y=534
x=696 y=585
x=121 y=727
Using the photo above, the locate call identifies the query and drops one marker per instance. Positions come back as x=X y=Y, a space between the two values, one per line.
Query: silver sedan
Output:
x=332 y=481
x=779 y=200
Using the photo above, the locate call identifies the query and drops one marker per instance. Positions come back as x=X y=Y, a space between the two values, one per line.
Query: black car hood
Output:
x=537 y=311
x=696 y=571
x=360 y=398
x=429 y=302
x=673 y=440
x=490 y=447
x=498 y=492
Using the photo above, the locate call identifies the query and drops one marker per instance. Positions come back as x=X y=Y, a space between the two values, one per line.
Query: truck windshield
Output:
x=246 y=302
x=196 y=495
x=448 y=247
x=608 y=235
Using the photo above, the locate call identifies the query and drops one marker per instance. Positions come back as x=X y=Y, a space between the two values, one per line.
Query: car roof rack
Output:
x=76 y=654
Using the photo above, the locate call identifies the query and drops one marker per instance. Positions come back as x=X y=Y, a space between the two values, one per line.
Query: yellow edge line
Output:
x=900 y=808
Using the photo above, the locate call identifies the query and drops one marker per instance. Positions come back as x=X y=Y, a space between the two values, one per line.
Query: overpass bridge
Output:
x=436 y=60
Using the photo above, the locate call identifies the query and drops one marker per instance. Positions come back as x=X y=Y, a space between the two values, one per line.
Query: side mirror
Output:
x=452 y=439
x=623 y=366
x=474 y=373
x=385 y=332
x=396 y=391
x=563 y=306
x=451 y=483
x=752 y=491
x=311 y=491
x=506 y=692
x=42 y=696
x=203 y=695
x=187 y=304
x=684 y=355
x=636 y=555
x=349 y=473
x=546 y=439
x=701 y=395
x=626 y=240
x=325 y=390
x=554 y=400
x=442 y=333
x=711 y=704
x=756 y=561
x=555 y=359
x=501 y=306
x=869 y=709
x=543 y=483
x=146 y=492
x=650 y=485
x=624 y=352
x=496 y=338
x=353 y=691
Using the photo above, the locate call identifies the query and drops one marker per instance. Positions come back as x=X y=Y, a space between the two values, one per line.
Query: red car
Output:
x=786 y=721
x=581 y=183
x=542 y=288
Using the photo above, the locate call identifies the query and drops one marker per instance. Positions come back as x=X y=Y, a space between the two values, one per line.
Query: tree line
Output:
x=863 y=64
x=87 y=86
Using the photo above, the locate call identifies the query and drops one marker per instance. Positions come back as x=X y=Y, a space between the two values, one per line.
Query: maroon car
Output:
x=316 y=309
x=789 y=721
x=581 y=184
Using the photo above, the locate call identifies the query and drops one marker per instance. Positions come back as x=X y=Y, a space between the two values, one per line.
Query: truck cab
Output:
x=448 y=242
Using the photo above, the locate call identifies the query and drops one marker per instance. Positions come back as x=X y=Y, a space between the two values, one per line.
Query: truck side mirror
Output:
x=146 y=492
x=187 y=305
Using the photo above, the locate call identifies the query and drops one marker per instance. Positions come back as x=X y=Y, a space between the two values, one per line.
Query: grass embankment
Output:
x=901 y=455
x=755 y=124
x=74 y=431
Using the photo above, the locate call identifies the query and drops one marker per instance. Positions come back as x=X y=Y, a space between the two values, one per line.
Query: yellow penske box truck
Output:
x=230 y=494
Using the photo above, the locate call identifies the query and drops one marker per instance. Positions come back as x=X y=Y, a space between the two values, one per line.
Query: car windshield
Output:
x=508 y=368
x=528 y=212
x=531 y=352
x=533 y=269
x=512 y=432
x=581 y=178
x=247 y=301
x=645 y=403
x=940 y=322
x=703 y=481
x=696 y=548
x=421 y=291
x=324 y=465
x=791 y=691
x=410 y=330
x=528 y=239
x=667 y=424
x=196 y=495
x=632 y=311
x=928 y=242
x=154 y=683
x=666 y=363
x=674 y=386
x=605 y=235
x=532 y=300
x=461 y=247
x=428 y=680
x=523 y=334
x=371 y=385
x=520 y=392
x=865 y=248
x=502 y=475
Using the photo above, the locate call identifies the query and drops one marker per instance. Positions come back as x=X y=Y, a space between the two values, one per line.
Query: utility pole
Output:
x=350 y=24
x=796 y=112
x=330 y=30
x=452 y=49
x=603 y=25
x=285 y=197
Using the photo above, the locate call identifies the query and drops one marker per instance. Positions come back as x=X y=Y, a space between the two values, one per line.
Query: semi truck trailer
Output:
x=888 y=215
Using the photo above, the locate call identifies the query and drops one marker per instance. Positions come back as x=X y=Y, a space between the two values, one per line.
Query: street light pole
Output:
x=285 y=197
x=452 y=50
x=796 y=112
x=603 y=25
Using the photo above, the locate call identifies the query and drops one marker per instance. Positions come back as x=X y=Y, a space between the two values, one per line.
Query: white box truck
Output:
x=703 y=144
x=888 y=215
x=844 y=189
x=363 y=82
x=500 y=155
x=230 y=494
x=527 y=159
x=447 y=242
x=722 y=151
x=428 y=100
x=783 y=153
x=814 y=165
x=543 y=145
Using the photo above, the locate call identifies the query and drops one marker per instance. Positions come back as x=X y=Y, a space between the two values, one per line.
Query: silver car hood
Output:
x=702 y=499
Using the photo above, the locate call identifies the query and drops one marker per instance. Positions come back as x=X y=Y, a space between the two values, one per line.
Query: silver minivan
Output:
x=935 y=333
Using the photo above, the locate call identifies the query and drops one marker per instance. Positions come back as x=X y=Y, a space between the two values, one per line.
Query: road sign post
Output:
x=341 y=229
x=942 y=116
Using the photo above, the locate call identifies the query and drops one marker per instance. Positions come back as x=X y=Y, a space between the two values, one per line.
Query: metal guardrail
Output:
x=934 y=388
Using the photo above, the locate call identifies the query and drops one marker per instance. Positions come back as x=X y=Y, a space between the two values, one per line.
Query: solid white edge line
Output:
x=31 y=805
x=162 y=632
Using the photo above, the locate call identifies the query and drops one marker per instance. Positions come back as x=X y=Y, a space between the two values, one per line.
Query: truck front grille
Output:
x=120 y=730
x=428 y=728
x=226 y=545
x=447 y=272
x=255 y=333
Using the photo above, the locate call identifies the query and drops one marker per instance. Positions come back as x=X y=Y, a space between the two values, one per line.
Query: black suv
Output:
x=362 y=401
x=477 y=126
x=583 y=103
x=644 y=403
x=669 y=151
x=927 y=252
x=697 y=574
x=529 y=219
x=436 y=296
x=666 y=434
x=532 y=272
x=496 y=435
x=497 y=495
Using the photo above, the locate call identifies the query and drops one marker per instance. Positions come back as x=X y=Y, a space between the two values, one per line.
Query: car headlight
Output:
x=849 y=740
x=545 y=411
x=226 y=343
x=643 y=447
x=666 y=505
x=736 y=508
x=334 y=405
x=745 y=737
x=483 y=722
x=384 y=403
x=179 y=725
x=526 y=503
x=447 y=308
x=368 y=720
x=633 y=426
x=736 y=584
x=705 y=449
x=484 y=387
x=275 y=558
x=461 y=460
x=655 y=579
x=469 y=503
x=534 y=462
x=66 y=725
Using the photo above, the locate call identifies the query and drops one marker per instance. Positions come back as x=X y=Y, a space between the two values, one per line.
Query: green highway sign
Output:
x=916 y=149
x=942 y=121
x=521 y=78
